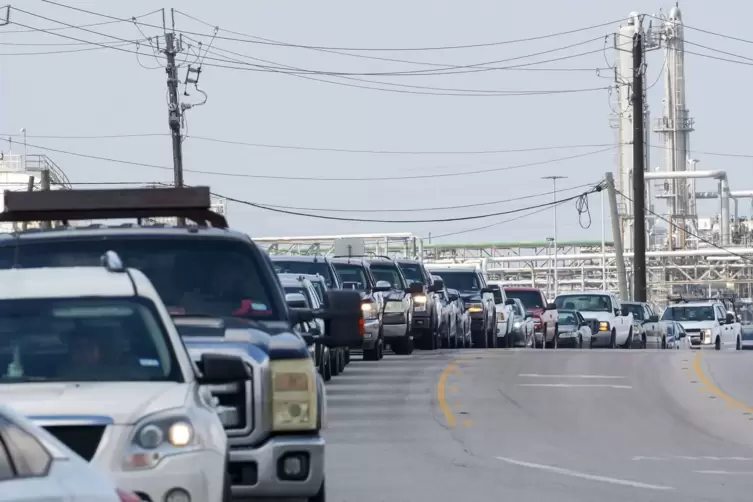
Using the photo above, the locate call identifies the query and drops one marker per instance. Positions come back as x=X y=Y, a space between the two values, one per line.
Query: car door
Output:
x=584 y=327
x=25 y=468
x=725 y=327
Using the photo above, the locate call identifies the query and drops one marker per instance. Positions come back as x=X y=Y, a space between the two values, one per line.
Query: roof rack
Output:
x=193 y=203
x=368 y=256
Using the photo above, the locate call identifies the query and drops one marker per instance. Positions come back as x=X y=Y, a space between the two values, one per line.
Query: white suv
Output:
x=91 y=355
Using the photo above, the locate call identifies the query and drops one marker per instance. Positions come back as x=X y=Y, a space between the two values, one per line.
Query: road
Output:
x=542 y=425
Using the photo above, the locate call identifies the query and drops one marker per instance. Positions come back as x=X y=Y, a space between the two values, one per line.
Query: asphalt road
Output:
x=543 y=425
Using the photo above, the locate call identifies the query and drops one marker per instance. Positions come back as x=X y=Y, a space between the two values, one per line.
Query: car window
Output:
x=353 y=275
x=389 y=273
x=530 y=299
x=6 y=466
x=319 y=289
x=567 y=318
x=462 y=281
x=304 y=267
x=412 y=272
x=218 y=277
x=29 y=457
x=584 y=303
x=637 y=310
x=84 y=339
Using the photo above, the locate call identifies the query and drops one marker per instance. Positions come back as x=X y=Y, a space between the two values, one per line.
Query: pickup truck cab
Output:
x=615 y=324
x=479 y=299
x=544 y=314
x=225 y=298
x=708 y=324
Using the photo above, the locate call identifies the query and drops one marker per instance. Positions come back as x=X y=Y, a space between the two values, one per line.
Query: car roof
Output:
x=381 y=261
x=70 y=282
x=351 y=261
x=586 y=293
x=438 y=269
x=126 y=229
x=408 y=261
x=698 y=303
x=305 y=259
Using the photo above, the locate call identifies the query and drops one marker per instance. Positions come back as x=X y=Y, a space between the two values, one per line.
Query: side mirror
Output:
x=730 y=318
x=343 y=319
x=653 y=318
x=382 y=286
x=509 y=301
x=415 y=288
x=682 y=334
x=529 y=315
x=550 y=306
x=221 y=369
x=296 y=300
x=438 y=285
x=453 y=297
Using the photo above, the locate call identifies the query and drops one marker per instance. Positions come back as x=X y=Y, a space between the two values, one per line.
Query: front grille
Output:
x=692 y=330
x=234 y=401
x=83 y=439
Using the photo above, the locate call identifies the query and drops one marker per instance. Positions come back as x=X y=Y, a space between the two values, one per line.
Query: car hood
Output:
x=470 y=296
x=122 y=403
x=598 y=315
x=697 y=324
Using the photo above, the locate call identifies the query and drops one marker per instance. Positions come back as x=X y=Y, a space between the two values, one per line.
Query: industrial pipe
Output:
x=627 y=254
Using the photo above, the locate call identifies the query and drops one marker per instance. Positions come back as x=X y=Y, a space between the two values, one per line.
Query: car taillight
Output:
x=128 y=496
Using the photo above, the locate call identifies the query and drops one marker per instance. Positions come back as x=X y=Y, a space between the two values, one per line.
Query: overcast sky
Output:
x=106 y=91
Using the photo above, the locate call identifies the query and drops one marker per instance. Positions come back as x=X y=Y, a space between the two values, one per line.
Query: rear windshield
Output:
x=689 y=314
x=462 y=281
x=530 y=299
x=84 y=339
x=304 y=267
x=217 y=277
x=584 y=303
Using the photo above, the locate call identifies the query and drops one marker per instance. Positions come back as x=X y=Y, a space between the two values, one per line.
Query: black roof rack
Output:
x=193 y=203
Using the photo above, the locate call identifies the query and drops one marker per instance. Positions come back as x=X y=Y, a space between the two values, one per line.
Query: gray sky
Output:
x=107 y=92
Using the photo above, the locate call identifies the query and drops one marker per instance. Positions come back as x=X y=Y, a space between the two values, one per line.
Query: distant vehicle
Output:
x=544 y=313
x=504 y=309
x=615 y=325
x=463 y=319
x=522 y=332
x=574 y=330
x=708 y=324
x=448 y=315
x=641 y=327
x=426 y=310
x=398 y=305
x=308 y=265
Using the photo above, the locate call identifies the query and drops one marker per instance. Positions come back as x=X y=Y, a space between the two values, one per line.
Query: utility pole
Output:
x=554 y=210
x=619 y=254
x=639 y=187
x=174 y=110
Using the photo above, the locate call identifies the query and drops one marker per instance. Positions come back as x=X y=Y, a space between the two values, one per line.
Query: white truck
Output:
x=611 y=325
x=505 y=313
x=708 y=324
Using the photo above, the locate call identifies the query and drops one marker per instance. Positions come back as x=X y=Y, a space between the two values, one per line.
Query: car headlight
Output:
x=517 y=324
x=476 y=307
x=707 y=334
x=294 y=395
x=393 y=307
x=419 y=303
x=369 y=311
x=603 y=326
x=157 y=438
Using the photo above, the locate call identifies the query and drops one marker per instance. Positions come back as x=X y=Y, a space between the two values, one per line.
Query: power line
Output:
x=292 y=178
x=433 y=220
x=356 y=49
x=90 y=25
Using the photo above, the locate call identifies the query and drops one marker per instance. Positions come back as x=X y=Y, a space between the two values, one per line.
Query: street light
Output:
x=554 y=209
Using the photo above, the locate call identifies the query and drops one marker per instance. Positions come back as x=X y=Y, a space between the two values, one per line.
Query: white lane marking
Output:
x=582 y=475
x=572 y=385
x=536 y=375
x=727 y=473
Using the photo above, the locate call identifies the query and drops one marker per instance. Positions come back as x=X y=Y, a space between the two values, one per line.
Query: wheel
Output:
x=508 y=340
x=227 y=492
x=629 y=341
x=718 y=344
x=644 y=342
x=320 y=495
x=327 y=369
x=334 y=362
x=664 y=343
x=380 y=350
x=403 y=347
x=341 y=361
x=371 y=354
x=347 y=356
x=739 y=344
x=555 y=340
x=580 y=341
x=543 y=337
x=613 y=341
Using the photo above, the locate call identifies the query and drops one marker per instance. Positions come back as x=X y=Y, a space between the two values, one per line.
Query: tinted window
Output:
x=84 y=339
x=689 y=314
x=29 y=457
x=319 y=288
x=412 y=272
x=587 y=303
x=462 y=281
x=218 y=277
x=567 y=318
x=355 y=275
x=530 y=299
x=637 y=310
x=498 y=296
x=389 y=273
x=304 y=267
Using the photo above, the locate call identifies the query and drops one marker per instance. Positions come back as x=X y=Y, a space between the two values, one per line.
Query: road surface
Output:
x=542 y=425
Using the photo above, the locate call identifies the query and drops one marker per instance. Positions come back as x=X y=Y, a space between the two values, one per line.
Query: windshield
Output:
x=84 y=339
x=388 y=273
x=217 y=277
x=300 y=291
x=462 y=281
x=319 y=288
x=354 y=275
x=584 y=303
x=689 y=314
x=567 y=319
x=530 y=299
x=412 y=272
x=304 y=267
x=636 y=310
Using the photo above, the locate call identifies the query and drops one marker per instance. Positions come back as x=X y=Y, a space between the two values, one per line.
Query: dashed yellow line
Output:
x=442 y=397
x=731 y=401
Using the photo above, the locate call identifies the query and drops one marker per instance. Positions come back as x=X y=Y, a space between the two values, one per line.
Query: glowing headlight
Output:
x=393 y=307
x=368 y=310
x=706 y=334
x=475 y=308
x=603 y=326
x=419 y=299
x=294 y=395
x=517 y=324
x=180 y=434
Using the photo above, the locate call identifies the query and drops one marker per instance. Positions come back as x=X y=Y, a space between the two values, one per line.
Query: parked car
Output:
x=708 y=323
x=544 y=313
x=462 y=319
x=448 y=316
x=522 y=334
x=320 y=285
x=574 y=330
x=642 y=312
x=615 y=325
x=426 y=310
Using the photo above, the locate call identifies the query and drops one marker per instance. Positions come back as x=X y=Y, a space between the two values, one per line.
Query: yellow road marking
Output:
x=468 y=423
x=458 y=405
x=441 y=395
x=453 y=388
x=731 y=401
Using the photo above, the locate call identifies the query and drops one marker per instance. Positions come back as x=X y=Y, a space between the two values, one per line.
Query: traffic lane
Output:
x=388 y=438
x=616 y=421
x=730 y=373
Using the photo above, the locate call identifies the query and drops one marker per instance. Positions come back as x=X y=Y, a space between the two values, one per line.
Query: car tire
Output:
x=327 y=369
x=718 y=343
x=613 y=340
x=380 y=351
x=580 y=341
x=334 y=363
x=227 y=491
x=371 y=354
x=664 y=343
x=403 y=347
x=644 y=341
x=321 y=495
x=341 y=360
x=739 y=344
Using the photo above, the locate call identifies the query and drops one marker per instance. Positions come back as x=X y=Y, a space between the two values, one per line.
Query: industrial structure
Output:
x=686 y=252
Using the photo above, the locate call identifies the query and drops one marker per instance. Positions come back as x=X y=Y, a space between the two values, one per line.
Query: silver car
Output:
x=574 y=330
x=522 y=326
